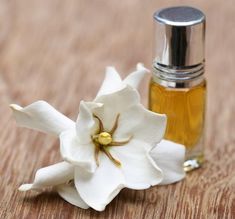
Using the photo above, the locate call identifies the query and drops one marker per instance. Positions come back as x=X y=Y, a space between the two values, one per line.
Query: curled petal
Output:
x=134 y=78
x=69 y=193
x=145 y=125
x=42 y=117
x=99 y=189
x=138 y=167
x=50 y=176
x=112 y=82
x=74 y=152
x=86 y=125
x=169 y=156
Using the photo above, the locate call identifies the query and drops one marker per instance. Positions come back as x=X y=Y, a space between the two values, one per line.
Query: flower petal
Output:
x=86 y=125
x=134 y=78
x=42 y=117
x=139 y=169
x=114 y=104
x=143 y=124
x=74 y=152
x=169 y=156
x=99 y=189
x=50 y=176
x=112 y=82
x=70 y=194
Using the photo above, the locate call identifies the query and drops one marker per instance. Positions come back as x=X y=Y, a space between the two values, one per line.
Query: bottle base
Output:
x=193 y=163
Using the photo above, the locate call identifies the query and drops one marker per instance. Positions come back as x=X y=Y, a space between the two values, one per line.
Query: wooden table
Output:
x=57 y=51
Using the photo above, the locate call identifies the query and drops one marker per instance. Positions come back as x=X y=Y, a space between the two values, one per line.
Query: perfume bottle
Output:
x=178 y=87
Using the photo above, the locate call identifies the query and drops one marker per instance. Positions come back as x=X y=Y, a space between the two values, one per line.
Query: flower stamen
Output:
x=115 y=161
x=102 y=140
x=115 y=124
x=101 y=127
x=120 y=143
x=97 y=150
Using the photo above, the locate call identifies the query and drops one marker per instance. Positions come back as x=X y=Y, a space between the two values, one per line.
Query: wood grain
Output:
x=57 y=51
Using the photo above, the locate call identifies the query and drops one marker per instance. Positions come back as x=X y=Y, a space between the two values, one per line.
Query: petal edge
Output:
x=70 y=194
x=41 y=116
x=169 y=156
x=50 y=176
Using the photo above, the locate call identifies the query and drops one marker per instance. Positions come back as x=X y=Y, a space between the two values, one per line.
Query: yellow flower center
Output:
x=104 y=138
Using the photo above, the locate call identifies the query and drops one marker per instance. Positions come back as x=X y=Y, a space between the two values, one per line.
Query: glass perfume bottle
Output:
x=178 y=86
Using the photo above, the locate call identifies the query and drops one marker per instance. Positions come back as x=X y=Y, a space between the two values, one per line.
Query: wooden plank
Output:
x=57 y=51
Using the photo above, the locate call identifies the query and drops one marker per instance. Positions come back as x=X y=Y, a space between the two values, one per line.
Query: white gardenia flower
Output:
x=112 y=145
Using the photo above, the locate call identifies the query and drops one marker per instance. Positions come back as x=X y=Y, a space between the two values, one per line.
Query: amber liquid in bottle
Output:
x=185 y=110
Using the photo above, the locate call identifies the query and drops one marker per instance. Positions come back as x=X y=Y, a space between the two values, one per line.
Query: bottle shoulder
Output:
x=186 y=84
x=178 y=87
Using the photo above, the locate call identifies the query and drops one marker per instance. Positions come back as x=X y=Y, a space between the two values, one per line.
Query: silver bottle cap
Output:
x=179 y=43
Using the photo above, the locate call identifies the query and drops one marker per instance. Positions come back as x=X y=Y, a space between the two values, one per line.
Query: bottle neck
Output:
x=175 y=77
